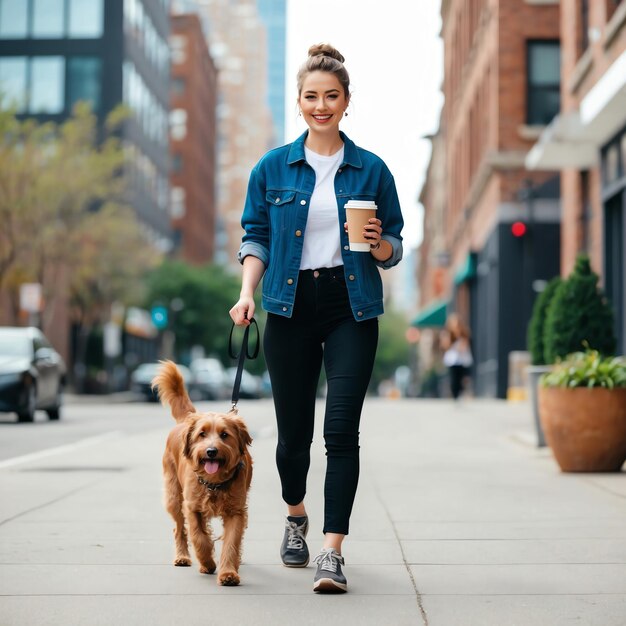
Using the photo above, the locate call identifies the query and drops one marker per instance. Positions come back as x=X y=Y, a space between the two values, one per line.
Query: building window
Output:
x=177 y=203
x=47 y=85
x=178 y=85
x=178 y=48
x=13 y=19
x=177 y=163
x=178 y=124
x=611 y=165
x=48 y=19
x=13 y=76
x=86 y=18
x=84 y=81
x=544 y=81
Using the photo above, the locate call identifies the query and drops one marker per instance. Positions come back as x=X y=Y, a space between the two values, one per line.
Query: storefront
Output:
x=614 y=203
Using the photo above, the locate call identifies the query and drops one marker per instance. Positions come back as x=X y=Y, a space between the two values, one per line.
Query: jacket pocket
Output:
x=278 y=197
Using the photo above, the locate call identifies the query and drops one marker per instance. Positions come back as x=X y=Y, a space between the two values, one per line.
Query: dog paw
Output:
x=207 y=569
x=182 y=561
x=228 y=579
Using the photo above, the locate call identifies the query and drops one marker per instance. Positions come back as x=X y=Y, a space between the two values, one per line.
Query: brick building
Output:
x=501 y=87
x=192 y=141
x=586 y=143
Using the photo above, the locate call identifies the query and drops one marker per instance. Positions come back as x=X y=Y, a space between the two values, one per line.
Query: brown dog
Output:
x=207 y=470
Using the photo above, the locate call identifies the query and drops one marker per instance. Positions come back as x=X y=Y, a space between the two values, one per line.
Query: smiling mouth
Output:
x=211 y=466
x=322 y=118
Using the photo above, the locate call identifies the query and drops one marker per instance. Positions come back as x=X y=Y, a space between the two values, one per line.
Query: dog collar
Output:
x=216 y=486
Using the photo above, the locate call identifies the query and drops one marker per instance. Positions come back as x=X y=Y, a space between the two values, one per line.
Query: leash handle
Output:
x=241 y=357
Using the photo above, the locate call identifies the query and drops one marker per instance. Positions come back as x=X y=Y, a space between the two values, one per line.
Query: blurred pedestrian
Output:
x=322 y=299
x=455 y=340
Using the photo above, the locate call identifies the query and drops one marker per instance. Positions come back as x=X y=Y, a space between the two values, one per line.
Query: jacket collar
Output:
x=350 y=153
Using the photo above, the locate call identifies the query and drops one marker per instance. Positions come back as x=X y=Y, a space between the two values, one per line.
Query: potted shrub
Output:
x=538 y=365
x=582 y=405
x=578 y=313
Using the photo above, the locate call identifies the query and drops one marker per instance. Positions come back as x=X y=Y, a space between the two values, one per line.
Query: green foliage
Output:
x=208 y=293
x=537 y=322
x=578 y=313
x=587 y=369
x=64 y=220
x=393 y=348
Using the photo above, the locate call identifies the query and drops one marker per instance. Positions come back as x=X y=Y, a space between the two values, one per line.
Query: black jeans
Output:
x=457 y=376
x=322 y=328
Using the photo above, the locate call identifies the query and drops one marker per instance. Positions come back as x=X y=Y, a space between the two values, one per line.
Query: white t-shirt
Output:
x=322 y=245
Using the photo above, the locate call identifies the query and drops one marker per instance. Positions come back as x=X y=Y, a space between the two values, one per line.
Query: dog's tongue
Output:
x=210 y=467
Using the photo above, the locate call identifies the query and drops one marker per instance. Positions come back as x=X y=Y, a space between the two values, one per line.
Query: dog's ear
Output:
x=186 y=437
x=242 y=432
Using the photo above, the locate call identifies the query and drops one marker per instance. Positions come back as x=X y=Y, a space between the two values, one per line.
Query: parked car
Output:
x=32 y=374
x=141 y=380
x=208 y=380
x=251 y=387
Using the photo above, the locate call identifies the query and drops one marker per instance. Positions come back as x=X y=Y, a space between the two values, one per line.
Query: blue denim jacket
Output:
x=275 y=216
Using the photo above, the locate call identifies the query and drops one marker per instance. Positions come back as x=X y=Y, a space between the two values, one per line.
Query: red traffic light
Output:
x=518 y=229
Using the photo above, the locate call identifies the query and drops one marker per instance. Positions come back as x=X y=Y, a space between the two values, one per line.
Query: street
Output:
x=459 y=520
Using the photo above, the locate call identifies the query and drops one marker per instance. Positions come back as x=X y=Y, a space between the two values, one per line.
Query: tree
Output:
x=579 y=313
x=207 y=293
x=64 y=220
x=538 y=320
x=393 y=348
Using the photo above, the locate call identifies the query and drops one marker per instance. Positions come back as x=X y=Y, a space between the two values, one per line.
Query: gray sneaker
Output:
x=329 y=578
x=293 y=551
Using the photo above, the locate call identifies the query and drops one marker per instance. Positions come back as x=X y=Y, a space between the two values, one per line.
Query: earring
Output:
x=300 y=113
x=345 y=113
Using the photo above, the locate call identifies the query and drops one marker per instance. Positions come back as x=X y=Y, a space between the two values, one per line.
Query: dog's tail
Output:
x=172 y=391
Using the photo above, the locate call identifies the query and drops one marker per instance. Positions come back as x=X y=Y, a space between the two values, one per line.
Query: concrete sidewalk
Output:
x=457 y=522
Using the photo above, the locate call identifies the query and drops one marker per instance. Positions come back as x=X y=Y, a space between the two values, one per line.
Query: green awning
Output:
x=467 y=271
x=434 y=315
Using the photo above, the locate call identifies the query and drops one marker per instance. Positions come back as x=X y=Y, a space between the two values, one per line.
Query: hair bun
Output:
x=325 y=49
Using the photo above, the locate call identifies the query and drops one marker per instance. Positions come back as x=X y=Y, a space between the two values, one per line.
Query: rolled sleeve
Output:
x=396 y=255
x=251 y=248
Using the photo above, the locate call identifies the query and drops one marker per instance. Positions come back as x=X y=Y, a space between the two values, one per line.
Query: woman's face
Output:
x=323 y=102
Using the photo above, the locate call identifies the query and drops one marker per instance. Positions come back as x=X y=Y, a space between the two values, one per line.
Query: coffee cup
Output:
x=358 y=214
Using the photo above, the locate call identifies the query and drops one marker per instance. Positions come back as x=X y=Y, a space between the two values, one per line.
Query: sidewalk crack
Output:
x=48 y=503
x=418 y=595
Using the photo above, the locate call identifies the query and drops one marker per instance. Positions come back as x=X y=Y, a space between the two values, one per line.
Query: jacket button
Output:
x=302 y=202
x=298 y=233
x=277 y=200
x=290 y=281
x=351 y=277
x=360 y=313
x=285 y=308
x=339 y=171
x=346 y=247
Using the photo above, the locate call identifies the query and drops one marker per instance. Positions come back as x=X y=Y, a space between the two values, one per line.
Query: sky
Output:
x=395 y=60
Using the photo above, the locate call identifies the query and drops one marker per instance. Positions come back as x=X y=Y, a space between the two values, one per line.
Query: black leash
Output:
x=243 y=354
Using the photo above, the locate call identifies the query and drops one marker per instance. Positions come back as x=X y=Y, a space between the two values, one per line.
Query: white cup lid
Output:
x=360 y=204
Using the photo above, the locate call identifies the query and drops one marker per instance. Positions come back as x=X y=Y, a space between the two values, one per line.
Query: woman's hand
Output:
x=243 y=311
x=372 y=231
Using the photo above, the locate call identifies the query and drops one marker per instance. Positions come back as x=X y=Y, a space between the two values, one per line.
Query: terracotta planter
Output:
x=586 y=428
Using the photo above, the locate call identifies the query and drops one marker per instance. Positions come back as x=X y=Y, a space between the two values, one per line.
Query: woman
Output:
x=322 y=299
x=458 y=354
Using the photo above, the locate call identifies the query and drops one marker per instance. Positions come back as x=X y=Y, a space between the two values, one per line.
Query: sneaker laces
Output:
x=328 y=560
x=295 y=535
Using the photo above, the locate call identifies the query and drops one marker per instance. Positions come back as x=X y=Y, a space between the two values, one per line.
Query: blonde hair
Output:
x=324 y=58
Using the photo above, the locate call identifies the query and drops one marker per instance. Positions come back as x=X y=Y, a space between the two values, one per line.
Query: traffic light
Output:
x=159 y=317
x=518 y=229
